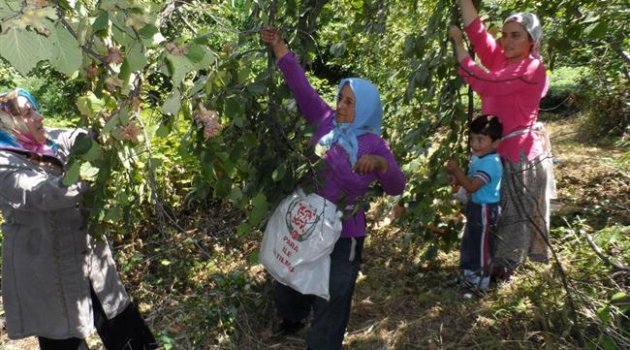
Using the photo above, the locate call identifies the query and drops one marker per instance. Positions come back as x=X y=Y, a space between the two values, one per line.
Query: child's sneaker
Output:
x=453 y=282
x=470 y=289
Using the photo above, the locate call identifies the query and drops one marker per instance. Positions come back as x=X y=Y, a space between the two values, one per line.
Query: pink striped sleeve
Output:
x=515 y=77
x=484 y=45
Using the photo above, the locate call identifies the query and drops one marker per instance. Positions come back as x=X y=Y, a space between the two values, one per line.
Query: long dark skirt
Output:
x=126 y=331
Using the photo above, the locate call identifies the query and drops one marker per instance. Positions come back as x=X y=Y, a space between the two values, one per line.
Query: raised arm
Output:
x=273 y=38
x=485 y=45
x=468 y=11
x=311 y=105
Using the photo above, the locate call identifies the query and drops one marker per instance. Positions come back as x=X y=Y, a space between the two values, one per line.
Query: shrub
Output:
x=564 y=90
x=607 y=112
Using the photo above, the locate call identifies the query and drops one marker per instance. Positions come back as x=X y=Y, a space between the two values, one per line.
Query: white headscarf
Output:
x=531 y=23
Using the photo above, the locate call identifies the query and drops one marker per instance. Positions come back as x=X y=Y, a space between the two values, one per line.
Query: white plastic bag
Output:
x=299 y=237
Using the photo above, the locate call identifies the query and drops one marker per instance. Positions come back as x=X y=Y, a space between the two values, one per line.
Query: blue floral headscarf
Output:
x=368 y=115
x=13 y=131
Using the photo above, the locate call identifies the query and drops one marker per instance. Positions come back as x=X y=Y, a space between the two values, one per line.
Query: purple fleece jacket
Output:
x=339 y=180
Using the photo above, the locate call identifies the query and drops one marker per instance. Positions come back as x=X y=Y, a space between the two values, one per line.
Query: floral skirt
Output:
x=523 y=227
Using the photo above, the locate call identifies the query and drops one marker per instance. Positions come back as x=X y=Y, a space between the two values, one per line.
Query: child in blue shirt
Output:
x=482 y=183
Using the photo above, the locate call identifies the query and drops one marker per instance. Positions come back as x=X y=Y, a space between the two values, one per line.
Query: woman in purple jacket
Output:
x=355 y=156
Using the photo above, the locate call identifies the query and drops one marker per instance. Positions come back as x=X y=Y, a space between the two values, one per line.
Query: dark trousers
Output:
x=478 y=242
x=126 y=331
x=330 y=318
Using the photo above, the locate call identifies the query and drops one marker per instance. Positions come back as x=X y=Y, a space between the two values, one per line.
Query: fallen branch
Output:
x=600 y=253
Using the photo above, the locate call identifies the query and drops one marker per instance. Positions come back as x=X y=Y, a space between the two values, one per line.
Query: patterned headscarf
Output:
x=532 y=25
x=368 y=113
x=14 y=132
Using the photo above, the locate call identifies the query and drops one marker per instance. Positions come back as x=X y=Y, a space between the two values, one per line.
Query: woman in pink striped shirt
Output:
x=511 y=86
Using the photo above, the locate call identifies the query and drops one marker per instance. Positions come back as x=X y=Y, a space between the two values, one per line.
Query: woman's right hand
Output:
x=468 y=10
x=452 y=167
x=272 y=37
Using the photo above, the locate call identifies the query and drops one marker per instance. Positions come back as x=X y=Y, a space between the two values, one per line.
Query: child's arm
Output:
x=470 y=185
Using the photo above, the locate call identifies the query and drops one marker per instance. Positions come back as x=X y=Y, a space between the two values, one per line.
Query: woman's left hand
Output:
x=456 y=34
x=370 y=162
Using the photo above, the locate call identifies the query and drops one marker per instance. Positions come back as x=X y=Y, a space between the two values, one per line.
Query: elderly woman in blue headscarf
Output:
x=58 y=283
x=348 y=139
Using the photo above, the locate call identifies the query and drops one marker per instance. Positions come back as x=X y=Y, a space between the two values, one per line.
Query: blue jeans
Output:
x=330 y=318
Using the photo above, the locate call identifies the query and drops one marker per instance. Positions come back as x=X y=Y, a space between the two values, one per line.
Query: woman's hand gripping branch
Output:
x=272 y=37
x=458 y=40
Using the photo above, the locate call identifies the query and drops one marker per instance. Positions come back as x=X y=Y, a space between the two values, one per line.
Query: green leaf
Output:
x=195 y=53
x=597 y=30
x=125 y=73
x=607 y=343
x=236 y=194
x=89 y=105
x=111 y=123
x=233 y=109
x=179 y=66
x=223 y=187
x=156 y=162
x=278 y=173
x=121 y=32
x=101 y=22
x=208 y=58
x=604 y=314
x=425 y=297
x=243 y=228
x=256 y=88
x=66 y=56
x=114 y=214
x=163 y=130
x=73 y=173
x=619 y=296
x=88 y=172
x=338 y=49
x=23 y=49
x=250 y=140
x=94 y=153
x=173 y=103
x=123 y=114
x=136 y=58
x=148 y=31
x=151 y=35
x=9 y=8
x=253 y=257
x=243 y=74
x=259 y=210
x=82 y=145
